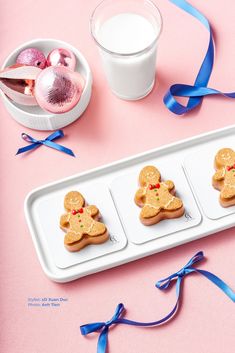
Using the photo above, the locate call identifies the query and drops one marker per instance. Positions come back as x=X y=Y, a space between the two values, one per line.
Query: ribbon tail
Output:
x=219 y=283
x=28 y=148
x=58 y=147
x=165 y=319
x=205 y=70
x=103 y=341
x=152 y=323
x=199 y=90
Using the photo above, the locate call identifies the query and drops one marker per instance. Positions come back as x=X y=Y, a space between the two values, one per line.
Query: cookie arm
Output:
x=72 y=237
x=64 y=220
x=219 y=174
x=92 y=210
x=170 y=185
x=139 y=197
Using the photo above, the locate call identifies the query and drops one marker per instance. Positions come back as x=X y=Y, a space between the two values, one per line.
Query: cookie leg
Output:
x=87 y=241
x=227 y=196
x=97 y=229
x=228 y=192
x=70 y=238
x=150 y=215
x=174 y=204
x=174 y=209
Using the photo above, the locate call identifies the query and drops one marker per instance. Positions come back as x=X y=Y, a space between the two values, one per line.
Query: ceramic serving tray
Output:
x=189 y=163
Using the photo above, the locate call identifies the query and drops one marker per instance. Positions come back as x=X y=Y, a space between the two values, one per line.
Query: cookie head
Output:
x=225 y=156
x=149 y=175
x=73 y=201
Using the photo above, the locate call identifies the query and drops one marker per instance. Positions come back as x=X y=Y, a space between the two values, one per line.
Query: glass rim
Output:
x=126 y=54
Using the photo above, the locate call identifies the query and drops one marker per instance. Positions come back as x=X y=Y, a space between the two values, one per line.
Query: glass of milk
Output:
x=126 y=33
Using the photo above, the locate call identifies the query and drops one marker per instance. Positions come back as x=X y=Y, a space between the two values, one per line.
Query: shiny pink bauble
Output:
x=32 y=57
x=62 y=57
x=58 y=89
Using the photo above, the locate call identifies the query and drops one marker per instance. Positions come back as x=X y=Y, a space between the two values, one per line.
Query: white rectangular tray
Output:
x=44 y=205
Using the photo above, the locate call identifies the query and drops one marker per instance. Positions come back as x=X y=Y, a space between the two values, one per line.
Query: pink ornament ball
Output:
x=62 y=57
x=58 y=89
x=32 y=57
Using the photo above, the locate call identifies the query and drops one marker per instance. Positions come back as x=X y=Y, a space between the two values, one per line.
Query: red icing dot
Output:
x=228 y=168
x=74 y=212
x=157 y=185
x=80 y=210
x=151 y=187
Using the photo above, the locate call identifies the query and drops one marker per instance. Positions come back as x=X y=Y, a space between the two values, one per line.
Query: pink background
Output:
x=111 y=129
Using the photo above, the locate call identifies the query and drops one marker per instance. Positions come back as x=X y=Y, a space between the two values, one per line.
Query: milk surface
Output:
x=126 y=33
x=129 y=76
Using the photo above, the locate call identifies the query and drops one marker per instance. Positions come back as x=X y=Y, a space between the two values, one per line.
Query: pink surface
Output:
x=111 y=129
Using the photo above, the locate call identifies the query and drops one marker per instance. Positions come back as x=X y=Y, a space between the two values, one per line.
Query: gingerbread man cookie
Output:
x=156 y=197
x=81 y=223
x=224 y=177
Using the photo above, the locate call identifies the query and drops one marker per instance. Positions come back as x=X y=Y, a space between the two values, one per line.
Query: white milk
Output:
x=130 y=76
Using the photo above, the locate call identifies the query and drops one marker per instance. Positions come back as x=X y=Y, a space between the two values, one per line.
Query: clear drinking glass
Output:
x=126 y=33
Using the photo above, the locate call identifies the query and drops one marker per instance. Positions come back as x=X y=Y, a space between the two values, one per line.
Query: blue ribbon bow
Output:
x=47 y=142
x=104 y=327
x=199 y=89
x=164 y=284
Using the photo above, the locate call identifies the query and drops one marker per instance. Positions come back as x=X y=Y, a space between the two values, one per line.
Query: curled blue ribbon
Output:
x=199 y=89
x=164 y=284
x=47 y=142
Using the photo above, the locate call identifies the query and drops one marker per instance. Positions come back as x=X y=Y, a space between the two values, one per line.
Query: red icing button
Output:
x=80 y=210
x=74 y=212
x=151 y=187
x=157 y=186
x=229 y=168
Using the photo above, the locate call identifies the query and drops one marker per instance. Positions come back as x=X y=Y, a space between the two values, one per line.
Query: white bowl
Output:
x=34 y=117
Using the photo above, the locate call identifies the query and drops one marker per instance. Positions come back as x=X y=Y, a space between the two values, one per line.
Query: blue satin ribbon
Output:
x=199 y=89
x=47 y=142
x=164 y=284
